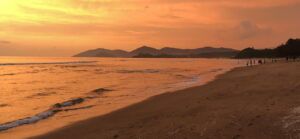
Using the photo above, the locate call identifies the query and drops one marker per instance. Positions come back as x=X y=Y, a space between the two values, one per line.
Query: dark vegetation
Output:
x=291 y=49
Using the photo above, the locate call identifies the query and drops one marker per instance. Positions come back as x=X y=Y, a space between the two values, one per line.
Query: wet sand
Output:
x=250 y=102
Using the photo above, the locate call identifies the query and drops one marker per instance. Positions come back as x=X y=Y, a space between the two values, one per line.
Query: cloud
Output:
x=234 y=3
x=4 y=42
x=180 y=23
x=247 y=29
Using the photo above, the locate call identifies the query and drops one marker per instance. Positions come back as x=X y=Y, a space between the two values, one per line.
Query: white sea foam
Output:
x=43 y=115
x=28 y=120
x=216 y=70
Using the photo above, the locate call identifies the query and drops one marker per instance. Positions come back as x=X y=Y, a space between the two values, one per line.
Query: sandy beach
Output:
x=259 y=102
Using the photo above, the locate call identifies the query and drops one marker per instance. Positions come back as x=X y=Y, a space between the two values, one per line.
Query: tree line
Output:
x=291 y=49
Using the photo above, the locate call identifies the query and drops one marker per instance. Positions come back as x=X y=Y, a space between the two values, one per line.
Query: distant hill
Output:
x=144 y=50
x=103 y=53
x=290 y=49
x=149 y=52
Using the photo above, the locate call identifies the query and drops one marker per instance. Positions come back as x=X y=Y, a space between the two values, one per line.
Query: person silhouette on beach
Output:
x=259 y=61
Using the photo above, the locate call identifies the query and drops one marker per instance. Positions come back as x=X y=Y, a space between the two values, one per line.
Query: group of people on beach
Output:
x=293 y=58
x=252 y=62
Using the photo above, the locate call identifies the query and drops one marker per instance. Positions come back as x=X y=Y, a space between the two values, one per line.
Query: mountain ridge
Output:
x=147 y=51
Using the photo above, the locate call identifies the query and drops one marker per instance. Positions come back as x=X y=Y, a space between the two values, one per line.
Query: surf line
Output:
x=58 y=107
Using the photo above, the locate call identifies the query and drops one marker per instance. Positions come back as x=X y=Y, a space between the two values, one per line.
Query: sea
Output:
x=68 y=89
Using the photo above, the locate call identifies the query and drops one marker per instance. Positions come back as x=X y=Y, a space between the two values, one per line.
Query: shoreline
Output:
x=15 y=132
x=247 y=102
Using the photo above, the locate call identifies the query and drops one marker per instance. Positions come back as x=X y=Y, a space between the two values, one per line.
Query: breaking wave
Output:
x=58 y=107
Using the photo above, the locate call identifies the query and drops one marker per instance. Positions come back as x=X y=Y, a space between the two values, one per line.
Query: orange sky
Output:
x=66 y=27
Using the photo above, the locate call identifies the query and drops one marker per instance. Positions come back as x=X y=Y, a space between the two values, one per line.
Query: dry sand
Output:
x=259 y=102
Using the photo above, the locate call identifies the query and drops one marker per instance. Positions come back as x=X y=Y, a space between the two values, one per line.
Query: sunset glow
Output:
x=66 y=27
x=149 y=69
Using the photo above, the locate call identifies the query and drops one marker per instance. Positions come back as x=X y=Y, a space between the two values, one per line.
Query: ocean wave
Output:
x=100 y=90
x=58 y=107
x=68 y=103
x=50 y=63
x=43 y=115
x=217 y=70
x=8 y=74
x=79 y=108
x=27 y=72
x=192 y=80
x=43 y=94
x=184 y=83
x=76 y=66
x=4 y=105
x=186 y=60
x=142 y=71
x=28 y=120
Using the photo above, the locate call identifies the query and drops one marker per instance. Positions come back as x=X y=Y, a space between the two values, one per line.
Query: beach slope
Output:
x=249 y=102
